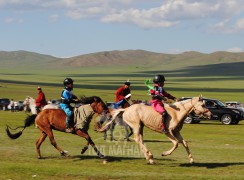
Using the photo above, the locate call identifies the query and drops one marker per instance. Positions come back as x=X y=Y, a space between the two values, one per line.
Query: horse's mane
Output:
x=90 y=100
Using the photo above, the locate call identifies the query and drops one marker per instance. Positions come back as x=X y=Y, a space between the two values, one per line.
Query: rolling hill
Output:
x=116 y=58
x=219 y=74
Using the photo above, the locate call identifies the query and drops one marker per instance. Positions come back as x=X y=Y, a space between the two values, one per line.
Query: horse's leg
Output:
x=53 y=142
x=39 y=142
x=138 y=136
x=85 y=148
x=89 y=140
x=175 y=142
x=184 y=143
x=106 y=132
x=105 y=135
x=126 y=132
x=131 y=131
x=112 y=127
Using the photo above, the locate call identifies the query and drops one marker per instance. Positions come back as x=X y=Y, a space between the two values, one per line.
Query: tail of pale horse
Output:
x=114 y=115
x=28 y=121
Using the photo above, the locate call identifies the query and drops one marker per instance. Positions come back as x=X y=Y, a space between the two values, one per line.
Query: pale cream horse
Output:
x=138 y=115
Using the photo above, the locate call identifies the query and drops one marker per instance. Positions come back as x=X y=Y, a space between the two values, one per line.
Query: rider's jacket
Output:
x=41 y=100
x=121 y=93
x=67 y=96
x=159 y=93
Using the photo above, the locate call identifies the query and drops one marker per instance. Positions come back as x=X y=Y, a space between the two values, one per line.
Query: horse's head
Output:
x=96 y=103
x=26 y=101
x=199 y=107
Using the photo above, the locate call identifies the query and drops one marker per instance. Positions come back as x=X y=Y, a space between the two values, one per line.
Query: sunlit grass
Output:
x=217 y=150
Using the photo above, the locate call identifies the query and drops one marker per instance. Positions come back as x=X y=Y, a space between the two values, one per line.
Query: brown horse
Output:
x=137 y=116
x=50 y=119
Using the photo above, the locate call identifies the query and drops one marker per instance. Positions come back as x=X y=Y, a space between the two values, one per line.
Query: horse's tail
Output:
x=28 y=121
x=114 y=114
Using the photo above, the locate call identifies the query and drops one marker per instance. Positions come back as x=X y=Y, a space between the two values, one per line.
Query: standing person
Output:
x=68 y=97
x=121 y=93
x=41 y=100
x=12 y=105
x=159 y=94
x=16 y=106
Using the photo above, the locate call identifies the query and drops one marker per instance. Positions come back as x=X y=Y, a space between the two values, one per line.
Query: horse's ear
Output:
x=200 y=97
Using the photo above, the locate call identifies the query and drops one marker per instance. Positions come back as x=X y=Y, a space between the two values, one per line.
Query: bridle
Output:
x=194 y=108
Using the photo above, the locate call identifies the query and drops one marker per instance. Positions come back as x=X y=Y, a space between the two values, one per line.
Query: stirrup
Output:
x=69 y=130
x=165 y=130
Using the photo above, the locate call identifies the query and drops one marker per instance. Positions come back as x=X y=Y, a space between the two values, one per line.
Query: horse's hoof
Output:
x=39 y=157
x=164 y=154
x=191 y=161
x=64 y=154
x=105 y=161
x=84 y=149
x=150 y=161
x=101 y=156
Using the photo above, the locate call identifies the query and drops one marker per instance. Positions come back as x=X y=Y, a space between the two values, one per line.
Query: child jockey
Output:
x=67 y=97
x=159 y=94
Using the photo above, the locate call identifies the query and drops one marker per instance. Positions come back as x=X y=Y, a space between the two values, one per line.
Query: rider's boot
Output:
x=164 y=128
x=69 y=129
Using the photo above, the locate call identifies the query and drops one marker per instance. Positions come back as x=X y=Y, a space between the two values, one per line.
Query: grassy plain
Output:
x=217 y=150
x=103 y=81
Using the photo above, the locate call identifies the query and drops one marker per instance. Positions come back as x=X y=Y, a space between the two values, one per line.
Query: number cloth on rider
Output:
x=83 y=116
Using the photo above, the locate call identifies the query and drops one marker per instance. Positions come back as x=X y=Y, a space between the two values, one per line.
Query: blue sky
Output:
x=66 y=28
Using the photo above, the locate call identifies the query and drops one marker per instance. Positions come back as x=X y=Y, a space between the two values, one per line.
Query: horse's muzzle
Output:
x=208 y=114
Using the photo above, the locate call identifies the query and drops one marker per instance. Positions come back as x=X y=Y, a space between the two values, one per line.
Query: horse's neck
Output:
x=178 y=110
x=32 y=105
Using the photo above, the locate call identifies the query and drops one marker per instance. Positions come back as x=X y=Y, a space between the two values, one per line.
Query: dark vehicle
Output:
x=20 y=105
x=219 y=110
x=4 y=102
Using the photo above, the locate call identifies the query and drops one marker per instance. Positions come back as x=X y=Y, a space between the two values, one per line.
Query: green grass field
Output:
x=217 y=150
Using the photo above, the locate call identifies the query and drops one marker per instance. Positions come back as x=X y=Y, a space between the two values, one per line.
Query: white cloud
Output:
x=54 y=18
x=9 y=20
x=227 y=26
x=141 y=12
x=240 y=24
x=234 y=49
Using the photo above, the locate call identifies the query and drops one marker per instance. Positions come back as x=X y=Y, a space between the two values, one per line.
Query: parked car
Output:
x=20 y=105
x=4 y=102
x=236 y=104
x=226 y=115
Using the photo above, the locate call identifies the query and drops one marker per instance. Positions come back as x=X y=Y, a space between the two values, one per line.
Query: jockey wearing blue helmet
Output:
x=68 y=97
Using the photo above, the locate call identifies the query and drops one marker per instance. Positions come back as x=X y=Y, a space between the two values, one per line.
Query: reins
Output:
x=193 y=108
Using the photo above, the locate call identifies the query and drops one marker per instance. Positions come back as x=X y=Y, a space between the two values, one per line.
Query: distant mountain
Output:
x=113 y=58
